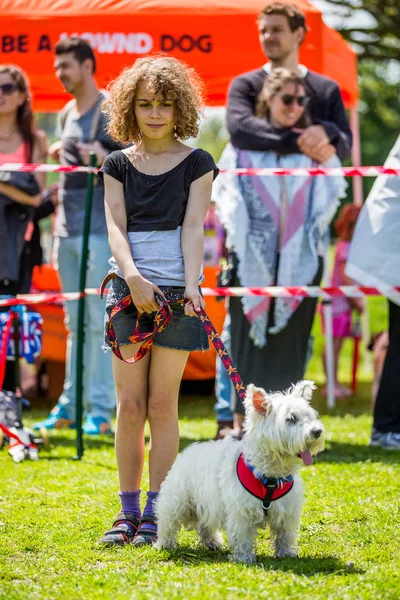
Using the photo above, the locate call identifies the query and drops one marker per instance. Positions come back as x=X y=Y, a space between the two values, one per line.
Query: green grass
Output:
x=53 y=512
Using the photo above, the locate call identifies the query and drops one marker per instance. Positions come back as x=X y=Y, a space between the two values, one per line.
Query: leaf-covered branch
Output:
x=379 y=40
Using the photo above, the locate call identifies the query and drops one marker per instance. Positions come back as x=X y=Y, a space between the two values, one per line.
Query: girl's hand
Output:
x=195 y=301
x=142 y=292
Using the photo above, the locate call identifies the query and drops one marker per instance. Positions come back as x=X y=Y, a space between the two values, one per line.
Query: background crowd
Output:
x=277 y=230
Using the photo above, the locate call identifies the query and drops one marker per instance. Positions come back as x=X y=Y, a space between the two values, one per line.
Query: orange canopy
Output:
x=217 y=37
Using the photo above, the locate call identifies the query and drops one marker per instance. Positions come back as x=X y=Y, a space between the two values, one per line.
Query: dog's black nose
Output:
x=317 y=433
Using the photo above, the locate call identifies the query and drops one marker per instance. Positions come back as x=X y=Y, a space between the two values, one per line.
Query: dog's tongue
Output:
x=306 y=458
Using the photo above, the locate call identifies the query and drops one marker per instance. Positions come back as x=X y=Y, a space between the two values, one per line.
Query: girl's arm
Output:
x=192 y=239
x=142 y=291
x=39 y=155
x=19 y=196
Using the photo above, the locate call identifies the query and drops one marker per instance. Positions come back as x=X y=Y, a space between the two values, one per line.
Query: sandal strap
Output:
x=145 y=533
x=144 y=523
x=147 y=519
x=121 y=533
x=124 y=531
x=143 y=530
x=129 y=517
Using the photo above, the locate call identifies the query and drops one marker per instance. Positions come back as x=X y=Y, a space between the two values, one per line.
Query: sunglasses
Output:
x=7 y=88
x=289 y=99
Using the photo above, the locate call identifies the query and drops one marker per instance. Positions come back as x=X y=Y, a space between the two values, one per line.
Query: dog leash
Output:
x=161 y=320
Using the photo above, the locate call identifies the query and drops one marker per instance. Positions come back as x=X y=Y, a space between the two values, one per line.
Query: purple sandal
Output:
x=146 y=533
x=123 y=530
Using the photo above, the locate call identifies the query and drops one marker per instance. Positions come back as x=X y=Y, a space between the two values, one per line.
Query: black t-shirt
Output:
x=157 y=202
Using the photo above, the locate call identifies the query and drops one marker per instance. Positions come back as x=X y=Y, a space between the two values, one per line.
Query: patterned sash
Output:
x=161 y=321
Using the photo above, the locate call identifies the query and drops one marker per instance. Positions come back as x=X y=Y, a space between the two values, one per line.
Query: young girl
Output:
x=157 y=193
x=341 y=306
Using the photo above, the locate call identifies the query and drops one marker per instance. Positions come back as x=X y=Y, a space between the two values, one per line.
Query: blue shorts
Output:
x=181 y=333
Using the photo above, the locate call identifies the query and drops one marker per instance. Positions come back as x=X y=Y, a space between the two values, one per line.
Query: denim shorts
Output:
x=181 y=333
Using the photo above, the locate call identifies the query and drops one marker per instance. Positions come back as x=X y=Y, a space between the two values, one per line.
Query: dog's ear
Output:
x=259 y=403
x=258 y=399
x=304 y=389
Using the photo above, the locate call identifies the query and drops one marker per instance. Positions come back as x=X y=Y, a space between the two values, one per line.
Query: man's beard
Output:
x=276 y=53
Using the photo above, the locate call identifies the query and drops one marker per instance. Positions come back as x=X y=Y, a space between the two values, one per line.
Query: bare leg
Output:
x=131 y=382
x=379 y=349
x=340 y=390
x=166 y=370
x=337 y=345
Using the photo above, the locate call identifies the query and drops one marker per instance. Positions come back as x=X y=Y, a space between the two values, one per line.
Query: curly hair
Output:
x=346 y=221
x=273 y=84
x=163 y=75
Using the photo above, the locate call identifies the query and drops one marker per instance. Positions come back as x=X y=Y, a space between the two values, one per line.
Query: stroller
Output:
x=21 y=335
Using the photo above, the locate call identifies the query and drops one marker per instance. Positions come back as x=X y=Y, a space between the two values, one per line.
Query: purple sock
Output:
x=130 y=502
x=149 y=508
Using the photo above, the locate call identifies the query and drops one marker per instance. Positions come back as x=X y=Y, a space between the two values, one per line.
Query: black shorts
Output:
x=181 y=333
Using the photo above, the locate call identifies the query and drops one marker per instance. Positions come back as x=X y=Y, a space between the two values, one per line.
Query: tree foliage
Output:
x=372 y=26
x=379 y=113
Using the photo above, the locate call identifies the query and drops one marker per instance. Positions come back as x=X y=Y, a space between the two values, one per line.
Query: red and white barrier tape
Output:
x=32 y=168
x=313 y=171
x=298 y=172
x=305 y=291
x=44 y=298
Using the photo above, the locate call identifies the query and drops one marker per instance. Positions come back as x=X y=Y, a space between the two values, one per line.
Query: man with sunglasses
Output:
x=282 y=29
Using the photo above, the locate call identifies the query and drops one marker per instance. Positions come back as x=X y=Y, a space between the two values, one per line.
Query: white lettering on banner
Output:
x=116 y=43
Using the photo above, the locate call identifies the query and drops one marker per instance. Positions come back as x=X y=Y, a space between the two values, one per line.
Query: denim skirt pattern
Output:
x=181 y=333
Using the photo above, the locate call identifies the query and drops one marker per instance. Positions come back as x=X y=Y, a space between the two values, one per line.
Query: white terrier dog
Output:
x=241 y=486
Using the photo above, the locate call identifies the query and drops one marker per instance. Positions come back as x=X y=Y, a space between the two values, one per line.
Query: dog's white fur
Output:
x=202 y=490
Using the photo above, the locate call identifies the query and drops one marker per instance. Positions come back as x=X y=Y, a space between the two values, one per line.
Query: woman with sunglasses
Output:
x=20 y=142
x=276 y=232
x=20 y=193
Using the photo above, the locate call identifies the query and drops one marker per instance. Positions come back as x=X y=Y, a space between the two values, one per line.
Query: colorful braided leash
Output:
x=161 y=321
x=223 y=354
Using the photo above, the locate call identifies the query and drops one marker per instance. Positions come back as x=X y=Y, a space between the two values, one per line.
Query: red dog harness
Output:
x=265 y=488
